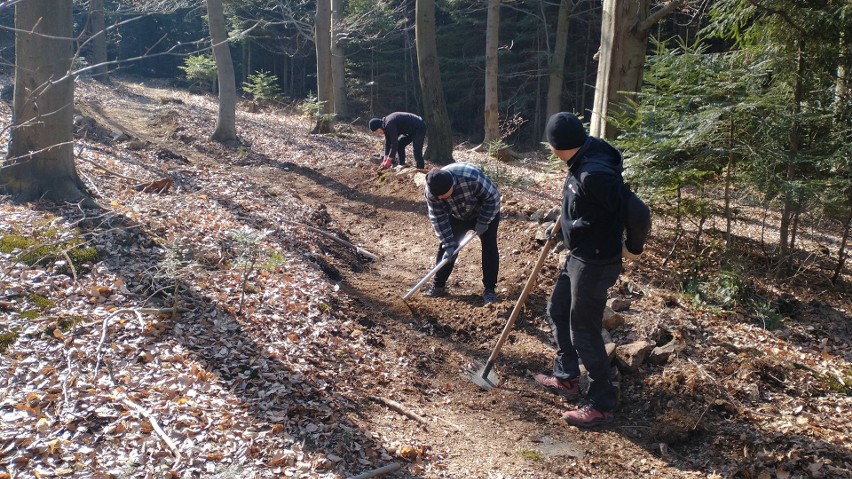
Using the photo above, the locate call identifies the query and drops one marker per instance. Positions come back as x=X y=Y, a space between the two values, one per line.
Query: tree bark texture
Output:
x=338 y=59
x=790 y=203
x=226 y=122
x=492 y=83
x=97 y=40
x=557 y=61
x=625 y=27
x=322 y=40
x=40 y=161
x=439 y=148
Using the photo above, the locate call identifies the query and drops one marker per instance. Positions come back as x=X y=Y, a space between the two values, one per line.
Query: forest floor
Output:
x=291 y=354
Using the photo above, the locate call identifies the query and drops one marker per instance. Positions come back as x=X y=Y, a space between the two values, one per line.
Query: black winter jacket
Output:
x=597 y=206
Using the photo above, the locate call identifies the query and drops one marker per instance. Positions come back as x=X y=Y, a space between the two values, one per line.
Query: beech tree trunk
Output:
x=322 y=40
x=624 y=41
x=439 y=148
x=226 y=122
x=492 y=110
x=557 y=61
x=338 y=59
x=97 y=41
x=40 y=160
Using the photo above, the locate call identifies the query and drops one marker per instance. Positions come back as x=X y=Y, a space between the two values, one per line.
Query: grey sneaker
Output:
x=489 y=296
x=436 y=291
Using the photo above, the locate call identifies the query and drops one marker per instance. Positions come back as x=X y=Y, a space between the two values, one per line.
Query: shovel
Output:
x=484 y=377
x=465 y=240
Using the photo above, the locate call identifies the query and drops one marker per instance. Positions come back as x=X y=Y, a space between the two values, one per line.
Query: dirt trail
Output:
x=514 y=430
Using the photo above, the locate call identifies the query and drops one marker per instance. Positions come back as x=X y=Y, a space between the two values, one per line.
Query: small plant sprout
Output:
x=249 y=251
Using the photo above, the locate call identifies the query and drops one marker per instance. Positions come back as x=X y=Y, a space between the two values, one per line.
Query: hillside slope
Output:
x=292 y=354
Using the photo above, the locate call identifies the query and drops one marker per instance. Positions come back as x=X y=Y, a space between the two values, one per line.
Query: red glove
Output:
x=387 y=163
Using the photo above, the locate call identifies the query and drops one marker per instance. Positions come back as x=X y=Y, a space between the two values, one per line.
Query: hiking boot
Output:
x=567 y=388
x=436 y=291
x=489 y=296
x=587 y=416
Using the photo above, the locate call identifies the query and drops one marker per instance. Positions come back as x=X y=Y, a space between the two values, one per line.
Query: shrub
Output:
x=200 y=70
x=262 y=86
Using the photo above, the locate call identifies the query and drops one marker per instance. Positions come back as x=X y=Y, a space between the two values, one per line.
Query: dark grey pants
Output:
x=575 y=312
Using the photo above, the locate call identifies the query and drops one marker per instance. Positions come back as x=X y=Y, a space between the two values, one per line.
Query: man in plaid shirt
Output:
x=460 y=199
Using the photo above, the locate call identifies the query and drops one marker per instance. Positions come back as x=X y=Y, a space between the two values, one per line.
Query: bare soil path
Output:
x=737 y=401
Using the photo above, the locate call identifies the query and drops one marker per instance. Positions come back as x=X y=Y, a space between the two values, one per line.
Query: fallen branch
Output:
x=334 y=237
x=138 y=312
x=101 y=167
x=378 y=472
x=156 y=426
x=398 y=408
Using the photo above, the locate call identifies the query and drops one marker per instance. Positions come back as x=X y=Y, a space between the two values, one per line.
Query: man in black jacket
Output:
x=597 y=210
x=400 y=129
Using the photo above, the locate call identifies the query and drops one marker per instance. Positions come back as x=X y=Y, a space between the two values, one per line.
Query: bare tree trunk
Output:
x=841 y=252
x=557 y=61
x=728 y=175
x=325 y=88
x=338 y=59
x=795 y=143
x=492 y=40
x=439 y=150
x=624 y=40
x=40 y=161
x=226 y=122
x=97 y=40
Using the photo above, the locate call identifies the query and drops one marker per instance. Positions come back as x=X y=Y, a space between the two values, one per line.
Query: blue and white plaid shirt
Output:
x=474 y=196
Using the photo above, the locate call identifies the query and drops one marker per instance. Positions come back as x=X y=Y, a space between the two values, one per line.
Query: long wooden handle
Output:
x=467 y=239
x=521 y=299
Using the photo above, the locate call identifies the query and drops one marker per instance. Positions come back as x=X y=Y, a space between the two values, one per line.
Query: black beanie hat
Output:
x=375 y=124
x=565 y=131
x=439 y=181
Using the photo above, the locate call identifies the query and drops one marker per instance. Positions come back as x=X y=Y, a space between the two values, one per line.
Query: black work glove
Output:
x=449 y=251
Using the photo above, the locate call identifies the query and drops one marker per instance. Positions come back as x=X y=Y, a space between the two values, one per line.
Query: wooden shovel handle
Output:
x=522 y=298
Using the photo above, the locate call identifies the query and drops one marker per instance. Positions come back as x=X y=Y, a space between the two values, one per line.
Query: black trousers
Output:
x=576 y=312
x=417 y=138
x=490 y=254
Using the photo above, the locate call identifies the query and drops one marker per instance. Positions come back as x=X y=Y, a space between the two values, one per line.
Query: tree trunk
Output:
x=325 y=89
x=439 y=149
x=841 y=252
x=624 y=41
x=40 y=161
x=226 y=123
x=557 y=61
x=97 y=41
x=492 y=39
x=791 y=175
x=728 y=176
x=338 y=60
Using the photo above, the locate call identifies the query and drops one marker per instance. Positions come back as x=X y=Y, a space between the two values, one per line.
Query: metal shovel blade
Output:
x=483 y=377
